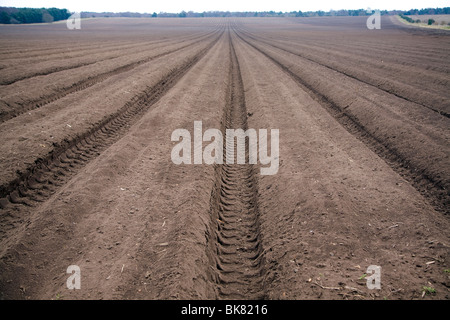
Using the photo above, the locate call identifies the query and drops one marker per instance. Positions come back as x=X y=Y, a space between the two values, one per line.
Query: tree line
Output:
x=445 y=10
x=192 y=14
x=32 y=15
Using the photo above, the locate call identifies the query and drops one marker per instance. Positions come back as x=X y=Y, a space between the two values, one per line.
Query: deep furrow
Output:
x=237 y=251
x=425 y=183
x=48 y=172
x=84 y=84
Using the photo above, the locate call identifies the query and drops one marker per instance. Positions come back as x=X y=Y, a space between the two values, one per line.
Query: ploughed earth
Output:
x=88 y=177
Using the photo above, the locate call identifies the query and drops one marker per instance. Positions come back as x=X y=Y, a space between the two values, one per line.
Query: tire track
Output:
x=237 y=257
x=378 y=87
x=42 y=178
x=429 y=185
x=85 y=83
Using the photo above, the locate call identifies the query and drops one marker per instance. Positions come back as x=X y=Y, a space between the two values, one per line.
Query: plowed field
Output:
x=87 y=179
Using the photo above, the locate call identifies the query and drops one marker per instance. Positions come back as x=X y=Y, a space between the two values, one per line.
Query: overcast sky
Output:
x=176 y=6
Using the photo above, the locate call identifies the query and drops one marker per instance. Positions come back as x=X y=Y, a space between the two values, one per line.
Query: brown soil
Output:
x=87 y=178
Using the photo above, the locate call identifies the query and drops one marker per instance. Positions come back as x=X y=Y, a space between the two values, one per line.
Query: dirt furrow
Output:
x=385 y=87
x=80 y=52
x=7 y=82
x=92 y=58
x=430 y=184
x=43 y=177
x=401 y=51
x=37 y=51
x=85 y=83
x=234 y=208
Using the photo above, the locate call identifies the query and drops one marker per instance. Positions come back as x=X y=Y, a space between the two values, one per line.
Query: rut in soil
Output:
x=238 y=259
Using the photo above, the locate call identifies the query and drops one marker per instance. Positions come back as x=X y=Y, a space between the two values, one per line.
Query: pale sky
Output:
x=175 y=6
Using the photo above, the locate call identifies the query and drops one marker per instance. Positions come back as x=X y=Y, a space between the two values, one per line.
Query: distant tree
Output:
x=154 y=15
x=58 y=14
x=182 y=14
x=28 y=15
x=430 y=22
x=4 y=17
